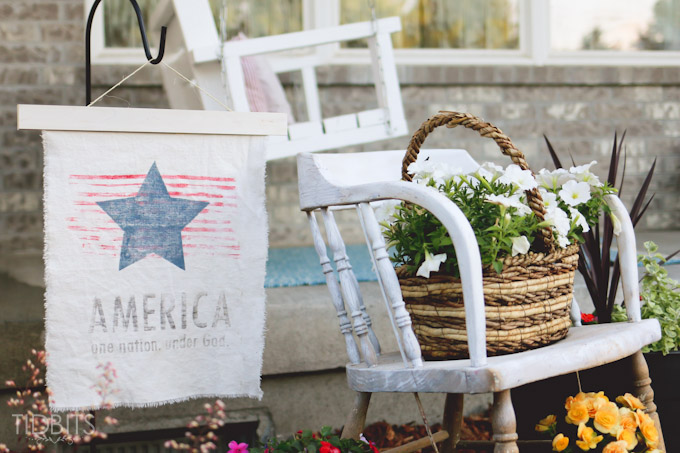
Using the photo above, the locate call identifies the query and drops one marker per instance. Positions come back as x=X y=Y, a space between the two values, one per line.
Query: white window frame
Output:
x=534 y=44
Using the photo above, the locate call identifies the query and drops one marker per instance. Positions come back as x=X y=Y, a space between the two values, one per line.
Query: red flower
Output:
x=326 y=447
x=374 y=449
x=588 y=317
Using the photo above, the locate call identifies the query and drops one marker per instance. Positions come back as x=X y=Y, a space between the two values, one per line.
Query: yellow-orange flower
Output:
x=628 y=419
x=628 y=437
x=607 y=419
x=580 y=397
x=577 y=413
x=630 y=401
x=650 y=434
x=588 y=438
x=615 y=447
x=546 y=423
x=642 y=417
x=594 y=401
x=560 y=442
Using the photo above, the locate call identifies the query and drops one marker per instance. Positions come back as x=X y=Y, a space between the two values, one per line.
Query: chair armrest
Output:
x=627 y=258
x=297 y=40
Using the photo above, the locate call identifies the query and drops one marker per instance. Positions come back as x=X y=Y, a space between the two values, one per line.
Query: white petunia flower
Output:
x=523 y=179
x=443 y=172
x=513 y=201
x=562 y=240
x=582 y=168
x=489 y=171
x=384 y=210
x=431 y=264
x=579 y=220
x=559 y=221
x=553 y=179
x=616 y=223
x=574 y=193
x=549 y=199
x=582 y=173
x=520 y=245
x=421 y=169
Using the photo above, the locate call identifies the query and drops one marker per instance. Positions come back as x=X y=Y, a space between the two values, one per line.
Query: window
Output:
x=466 y=32
x=445 y=24
x=607 y=25
x=116 y=38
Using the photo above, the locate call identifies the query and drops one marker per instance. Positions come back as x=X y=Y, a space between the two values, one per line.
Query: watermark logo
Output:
x=55 y=428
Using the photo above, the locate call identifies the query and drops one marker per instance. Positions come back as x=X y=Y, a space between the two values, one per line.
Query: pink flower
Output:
x=235 y=447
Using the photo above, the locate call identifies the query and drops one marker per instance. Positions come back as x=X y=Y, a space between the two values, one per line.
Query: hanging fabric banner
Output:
x=155 y=252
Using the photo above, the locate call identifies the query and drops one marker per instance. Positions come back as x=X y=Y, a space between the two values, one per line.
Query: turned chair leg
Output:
x=357 y=418
x=643 y=390
x=453 y=421
x=503 y=423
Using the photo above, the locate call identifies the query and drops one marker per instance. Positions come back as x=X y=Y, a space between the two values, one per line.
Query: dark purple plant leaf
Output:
x=642 y=211
x=613 y=162
x=623 y=172
x=553 y=154
x=637 y=204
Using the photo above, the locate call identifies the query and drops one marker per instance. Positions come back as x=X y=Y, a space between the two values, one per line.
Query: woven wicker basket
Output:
x=527 y=304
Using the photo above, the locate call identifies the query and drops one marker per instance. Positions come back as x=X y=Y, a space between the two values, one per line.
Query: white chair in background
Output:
x=194 y=48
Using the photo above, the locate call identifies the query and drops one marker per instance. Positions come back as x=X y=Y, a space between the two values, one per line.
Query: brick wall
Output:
x=41 y=55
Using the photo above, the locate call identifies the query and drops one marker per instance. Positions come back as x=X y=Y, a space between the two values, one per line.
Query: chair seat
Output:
x=584 y=347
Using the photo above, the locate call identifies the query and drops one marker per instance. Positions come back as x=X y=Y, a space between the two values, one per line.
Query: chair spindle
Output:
x=391 y=284
x=334 y=289
x=349 y=289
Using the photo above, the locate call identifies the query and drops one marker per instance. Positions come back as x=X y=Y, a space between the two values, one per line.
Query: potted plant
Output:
x=527 y=228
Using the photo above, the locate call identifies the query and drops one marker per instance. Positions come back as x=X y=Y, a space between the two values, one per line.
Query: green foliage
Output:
x=326 y=441
x=495 y=204
x=661 y=297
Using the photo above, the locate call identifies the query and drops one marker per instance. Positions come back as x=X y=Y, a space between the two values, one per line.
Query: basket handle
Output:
x=453 y=119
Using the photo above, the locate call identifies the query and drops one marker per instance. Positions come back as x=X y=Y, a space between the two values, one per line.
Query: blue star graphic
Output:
x=152 y=221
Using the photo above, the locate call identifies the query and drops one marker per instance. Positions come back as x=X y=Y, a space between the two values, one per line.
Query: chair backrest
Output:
x=329 y=181
x=194 y=48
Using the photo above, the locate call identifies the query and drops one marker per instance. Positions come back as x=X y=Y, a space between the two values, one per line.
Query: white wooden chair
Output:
x=335 y=181
x=193 y=46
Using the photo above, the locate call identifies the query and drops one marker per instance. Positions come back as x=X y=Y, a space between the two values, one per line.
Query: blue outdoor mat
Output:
x=297 y=266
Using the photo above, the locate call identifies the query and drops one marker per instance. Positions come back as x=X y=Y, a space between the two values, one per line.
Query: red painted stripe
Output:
x=107 y=177
x=211 y=246
x=208 y=230
x=212 y=222
x=80 y=228
x=187 y=177
x=196 y=194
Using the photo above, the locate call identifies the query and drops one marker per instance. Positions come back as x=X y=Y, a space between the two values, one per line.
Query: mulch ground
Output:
x=387 y=436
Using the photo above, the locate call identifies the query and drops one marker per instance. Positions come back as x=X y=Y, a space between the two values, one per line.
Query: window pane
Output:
x=258 y=18
x=120 y=22
x=445 y=24
x=627 y=25
x=253 y=17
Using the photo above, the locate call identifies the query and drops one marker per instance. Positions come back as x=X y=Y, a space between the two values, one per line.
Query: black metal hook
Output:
x=145 y=43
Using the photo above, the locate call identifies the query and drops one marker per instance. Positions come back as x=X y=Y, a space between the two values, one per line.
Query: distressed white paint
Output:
x=343 y=180
x=584 y=347
x=627 y=258
x=390 y=283
x=334 y=289
x=349 y=293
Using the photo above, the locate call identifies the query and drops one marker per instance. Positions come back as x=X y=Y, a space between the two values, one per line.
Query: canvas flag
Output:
x=155 y=252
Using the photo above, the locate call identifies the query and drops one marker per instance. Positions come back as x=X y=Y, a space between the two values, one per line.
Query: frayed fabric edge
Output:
x=152 y=404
